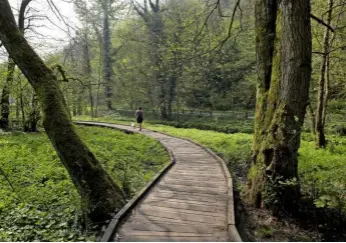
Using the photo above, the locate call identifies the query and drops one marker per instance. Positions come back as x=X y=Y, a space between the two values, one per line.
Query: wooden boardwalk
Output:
x=191 y=202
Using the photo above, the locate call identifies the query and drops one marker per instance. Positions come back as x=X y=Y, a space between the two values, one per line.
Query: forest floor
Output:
x=38 y=201
x=321 y=174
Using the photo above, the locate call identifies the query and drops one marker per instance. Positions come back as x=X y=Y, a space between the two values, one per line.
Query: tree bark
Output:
x=100 y=196
x=319 y=126
x=283 y=40
x=107 y=61
x=5 y=97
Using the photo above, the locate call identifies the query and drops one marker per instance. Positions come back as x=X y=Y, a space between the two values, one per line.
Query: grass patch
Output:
x=38 y=201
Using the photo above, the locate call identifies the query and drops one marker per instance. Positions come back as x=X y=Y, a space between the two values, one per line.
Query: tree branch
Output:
x=320 y=21
x=21 y=17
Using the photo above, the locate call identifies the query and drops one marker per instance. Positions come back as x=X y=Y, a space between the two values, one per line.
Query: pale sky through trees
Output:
x=47 y=36
x=49 y=33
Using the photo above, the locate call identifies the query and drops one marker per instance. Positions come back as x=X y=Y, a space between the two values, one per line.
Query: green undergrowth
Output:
x=321 y=171
x=37 y=199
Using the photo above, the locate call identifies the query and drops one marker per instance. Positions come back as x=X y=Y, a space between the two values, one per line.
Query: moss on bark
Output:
x=284 y=69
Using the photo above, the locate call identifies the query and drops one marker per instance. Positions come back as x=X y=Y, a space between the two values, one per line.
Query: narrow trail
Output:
x=192 y=201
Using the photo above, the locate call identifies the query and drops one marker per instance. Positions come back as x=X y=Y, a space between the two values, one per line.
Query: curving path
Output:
x=192 y=201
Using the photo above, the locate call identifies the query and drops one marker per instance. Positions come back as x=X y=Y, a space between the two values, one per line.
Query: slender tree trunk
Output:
x=5 y=97
x=34 y=115
x=283 y=36
x=326 y=92
x=312 y=118
x=101 y=197
x=319 y=126
x=22 y=105
x=88 y=71
x=107 y=57
x=80 y=101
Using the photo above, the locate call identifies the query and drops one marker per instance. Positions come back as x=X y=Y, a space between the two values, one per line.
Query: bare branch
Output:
x=320 y=21
x=21 y=17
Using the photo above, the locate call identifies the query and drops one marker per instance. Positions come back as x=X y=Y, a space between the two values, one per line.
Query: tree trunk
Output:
x=154 y=22
x=312 y=118
x=326 y=92
x=283 y=38
x=100 y=196
x=5 y=97
x=30 y=124
x=107 y=57
x=319 y=126
x=80 y=100
x=88 y=71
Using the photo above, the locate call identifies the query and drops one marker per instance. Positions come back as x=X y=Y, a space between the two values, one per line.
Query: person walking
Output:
x=139 y=117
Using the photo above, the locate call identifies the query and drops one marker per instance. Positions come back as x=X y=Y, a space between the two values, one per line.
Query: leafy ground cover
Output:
x=321 y=173
x=37 y=199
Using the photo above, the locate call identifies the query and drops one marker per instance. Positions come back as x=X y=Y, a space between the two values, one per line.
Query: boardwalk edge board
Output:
x=115 y=221
x=233 y=234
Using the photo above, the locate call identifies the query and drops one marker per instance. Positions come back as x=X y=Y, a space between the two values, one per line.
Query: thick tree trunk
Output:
x=107 y=61
x=101 y=197
x=5 y=97
x=283 y=36
x=319 y=126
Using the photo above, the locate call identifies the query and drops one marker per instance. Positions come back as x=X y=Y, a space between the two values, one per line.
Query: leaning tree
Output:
x=100 y=196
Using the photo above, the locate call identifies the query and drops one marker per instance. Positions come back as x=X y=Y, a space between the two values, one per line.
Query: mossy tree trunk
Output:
x=100 y=196
x=5 y=96
x=321 y=98
x=107 y=59
x=283 y=38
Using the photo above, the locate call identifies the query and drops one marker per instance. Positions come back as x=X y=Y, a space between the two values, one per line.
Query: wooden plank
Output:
x=171 y=239
x=185 y=205
x=146 y=207
x=166 y=234
x=219 y=187
x=215 y=179
x=206 y=219
x=147 y=225
x=220 y=204
x=186 y=195
x=218 y=184
x=198 y=172
x=192 y=189
x=142 y=217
